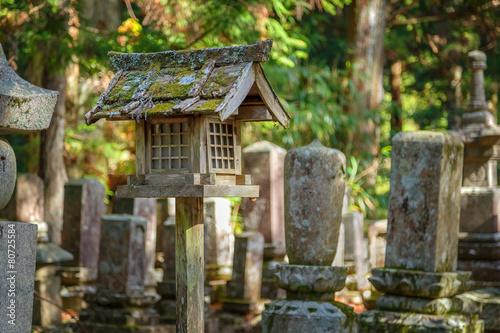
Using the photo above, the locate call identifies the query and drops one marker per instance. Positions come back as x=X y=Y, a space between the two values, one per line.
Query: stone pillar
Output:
x=314 y=189
x=47 y=304
x=8 y=171
x=355 y=253
x=264 y=161
x=145 y=207
x=219 y=239
x=479 y=245
x=243 y=291
x=27 y=202
x=166 y=288
x=83 y=209
x=420 y=278
x=377 y=234
x=18 y=260
x=120 y=301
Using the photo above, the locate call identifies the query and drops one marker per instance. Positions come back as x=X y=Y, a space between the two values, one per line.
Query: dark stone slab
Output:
x=399 y=322
x=122 y=262
x=83 y=209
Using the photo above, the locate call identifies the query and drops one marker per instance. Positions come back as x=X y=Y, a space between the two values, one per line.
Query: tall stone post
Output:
x=264 y=161
x=219 y=239
x=420 y=278
x=83 y=209
x=166 y=288
x=479 y=244
x=120 y=302
x=314 y=188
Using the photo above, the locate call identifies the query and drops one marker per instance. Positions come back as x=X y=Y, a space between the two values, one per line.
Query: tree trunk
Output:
x=52 y=169
x=366 y=35
x=395 y=78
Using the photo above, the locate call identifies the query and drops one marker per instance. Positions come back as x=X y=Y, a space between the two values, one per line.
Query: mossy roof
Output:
x=170 y=84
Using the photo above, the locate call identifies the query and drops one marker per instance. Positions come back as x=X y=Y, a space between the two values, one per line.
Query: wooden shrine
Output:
x=188 y=107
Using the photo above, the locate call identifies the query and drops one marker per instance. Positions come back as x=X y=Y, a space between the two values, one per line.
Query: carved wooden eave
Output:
x=24 y=107
x=223 y=81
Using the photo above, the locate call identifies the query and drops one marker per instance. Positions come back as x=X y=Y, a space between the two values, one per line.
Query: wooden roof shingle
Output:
x=172 y=83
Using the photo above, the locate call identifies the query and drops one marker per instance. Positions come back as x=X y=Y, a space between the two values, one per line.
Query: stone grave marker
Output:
x=314 y=189
x=420 y=278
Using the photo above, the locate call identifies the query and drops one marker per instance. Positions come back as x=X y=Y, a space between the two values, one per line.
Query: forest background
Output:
x=351 y=73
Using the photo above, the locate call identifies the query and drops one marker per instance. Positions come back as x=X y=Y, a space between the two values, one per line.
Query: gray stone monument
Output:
x=145 y=207
x=27 y=202
x=24 y=108
x=314 y=190
x=355 y=250
x=48 y=302
x=264 y=161
x=120 y=302
x=83 y=208
x=420 y=278
x=243 y=291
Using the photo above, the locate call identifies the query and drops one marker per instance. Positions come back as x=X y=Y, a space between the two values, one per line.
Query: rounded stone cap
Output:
x=8 y=169
x=477 y=59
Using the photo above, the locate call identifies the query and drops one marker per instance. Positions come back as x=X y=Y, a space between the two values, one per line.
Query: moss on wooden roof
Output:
x=172 y=83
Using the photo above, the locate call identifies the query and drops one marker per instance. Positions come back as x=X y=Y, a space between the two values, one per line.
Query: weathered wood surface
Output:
x=188 y=179
x=270 y=98
x=187 y=191
x=140 y=148
x=258 y=52
x=189 y=263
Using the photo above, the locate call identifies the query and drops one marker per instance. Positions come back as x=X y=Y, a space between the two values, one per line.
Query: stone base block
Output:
x=486 y=303
x=482 y=270
x=108 y=328
x=435 y=306
x=242 y=306
x=398 y=322
x=420 y=283
x=478 y=251
x=285 y=316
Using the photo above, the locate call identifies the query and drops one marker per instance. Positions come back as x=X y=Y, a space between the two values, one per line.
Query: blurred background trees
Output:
x=350 y=73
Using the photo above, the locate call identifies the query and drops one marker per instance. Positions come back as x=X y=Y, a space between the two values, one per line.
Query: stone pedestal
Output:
x=419 y=277
x=314 y=189
x=120 y=302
